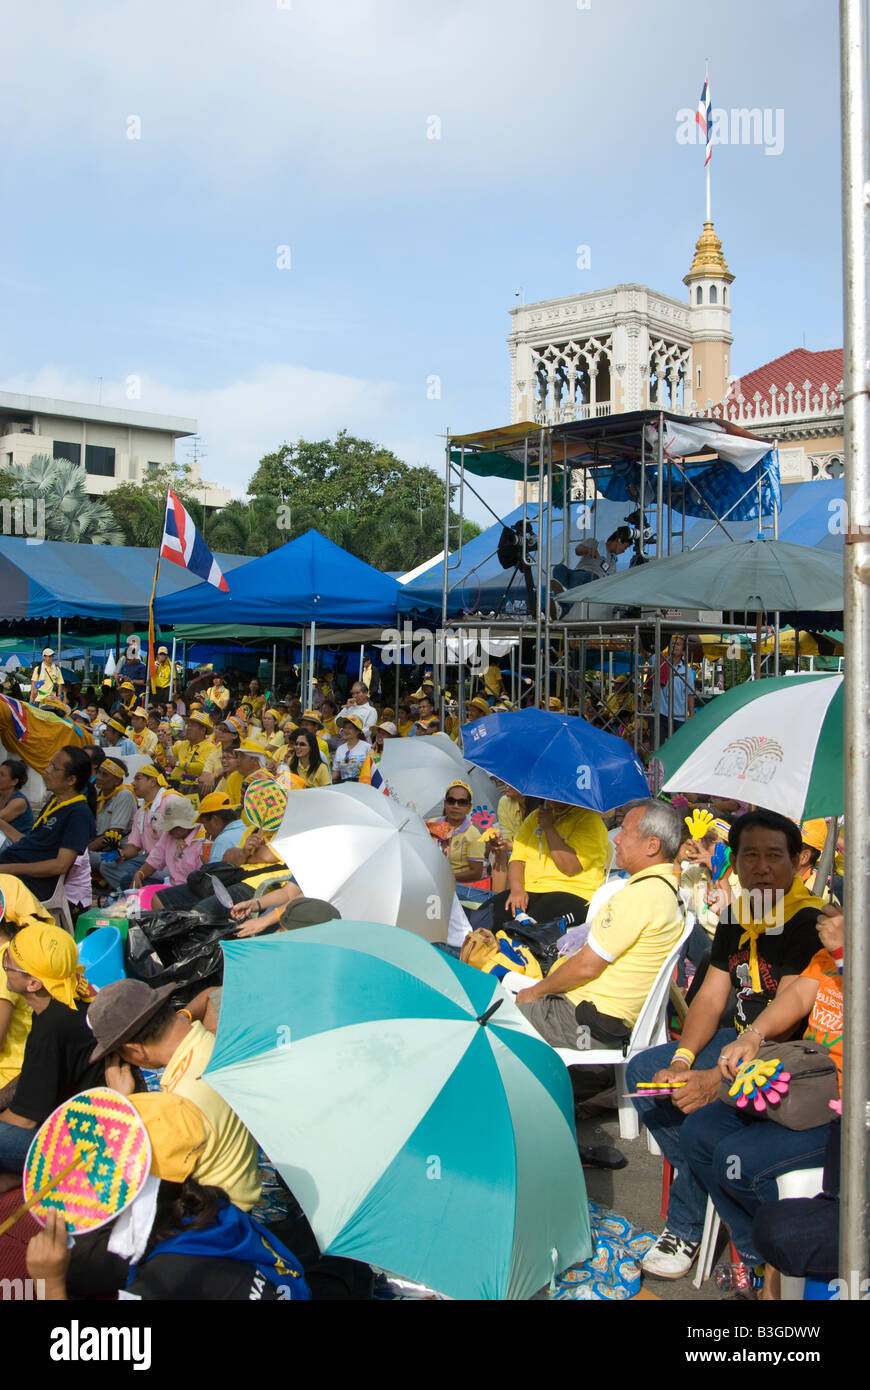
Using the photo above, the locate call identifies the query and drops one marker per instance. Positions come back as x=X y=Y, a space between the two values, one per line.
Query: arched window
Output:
x=713 y=295
x=724 y=294
x=699 y=295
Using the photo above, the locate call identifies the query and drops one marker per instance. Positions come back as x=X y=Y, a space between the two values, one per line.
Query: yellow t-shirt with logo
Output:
x=229 y=1159
x=585 y=832
x=196 y=755
x=634 y=932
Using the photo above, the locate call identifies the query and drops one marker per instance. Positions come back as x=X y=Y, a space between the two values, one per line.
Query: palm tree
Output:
x=71 y=514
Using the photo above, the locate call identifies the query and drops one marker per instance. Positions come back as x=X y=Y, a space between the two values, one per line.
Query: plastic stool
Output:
x=102 y=956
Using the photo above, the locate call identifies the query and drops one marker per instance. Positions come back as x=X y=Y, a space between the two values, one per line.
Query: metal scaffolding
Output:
x=564 y=465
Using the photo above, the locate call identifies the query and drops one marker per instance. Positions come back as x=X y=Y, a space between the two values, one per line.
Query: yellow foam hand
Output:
x=699 y=823
x=753 y=1076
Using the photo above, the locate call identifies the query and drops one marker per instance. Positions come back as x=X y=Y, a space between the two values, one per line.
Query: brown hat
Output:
x=120 y=1010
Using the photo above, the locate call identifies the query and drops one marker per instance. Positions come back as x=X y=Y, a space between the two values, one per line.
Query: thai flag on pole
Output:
x=704 y=118
x=183 y=544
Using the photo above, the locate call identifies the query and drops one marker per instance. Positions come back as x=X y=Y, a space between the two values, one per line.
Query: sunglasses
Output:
x=456 y=801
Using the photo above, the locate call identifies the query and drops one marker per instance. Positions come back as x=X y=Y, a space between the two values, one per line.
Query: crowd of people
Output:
x=579 y=915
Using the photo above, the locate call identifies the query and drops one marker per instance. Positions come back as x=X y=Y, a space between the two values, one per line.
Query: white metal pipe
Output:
x=855 y=1169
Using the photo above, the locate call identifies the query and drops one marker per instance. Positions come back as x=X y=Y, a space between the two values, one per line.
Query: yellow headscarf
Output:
x=795 y=900
x=49 y=954
x=151 y=771
x=18 y=905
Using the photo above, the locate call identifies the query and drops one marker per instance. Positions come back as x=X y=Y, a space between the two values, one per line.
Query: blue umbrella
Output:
x=558 y=756
x=417 y=1117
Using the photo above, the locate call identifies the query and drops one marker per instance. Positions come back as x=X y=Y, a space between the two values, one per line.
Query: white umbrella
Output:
x=417 y=772
x=369 y=856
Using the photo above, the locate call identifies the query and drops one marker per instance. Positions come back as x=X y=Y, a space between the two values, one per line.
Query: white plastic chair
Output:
x=803 y=1182
x=58 y=906
x=650 y=1030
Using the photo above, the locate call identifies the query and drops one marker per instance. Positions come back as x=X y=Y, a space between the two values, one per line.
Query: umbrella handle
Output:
x=483 y=1019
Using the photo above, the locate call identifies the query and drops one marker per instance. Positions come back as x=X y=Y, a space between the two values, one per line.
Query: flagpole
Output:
x=707 y=81
x=152 y=665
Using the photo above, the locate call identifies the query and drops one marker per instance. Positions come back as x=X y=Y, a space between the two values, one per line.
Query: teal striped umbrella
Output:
x=421 y=1123
x=775 y=743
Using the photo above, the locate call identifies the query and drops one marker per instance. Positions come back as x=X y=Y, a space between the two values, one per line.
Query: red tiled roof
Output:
x=797 y=366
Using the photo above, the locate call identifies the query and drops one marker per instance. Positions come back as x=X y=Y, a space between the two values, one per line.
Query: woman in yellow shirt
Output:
x=273 y=738
x=18 y=908
x=458 y=837
x=306 y=760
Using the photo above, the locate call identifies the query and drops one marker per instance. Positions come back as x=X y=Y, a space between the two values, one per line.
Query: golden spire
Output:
x=709 y=260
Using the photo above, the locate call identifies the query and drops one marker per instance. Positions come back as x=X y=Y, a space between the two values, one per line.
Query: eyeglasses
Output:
x=456 y=801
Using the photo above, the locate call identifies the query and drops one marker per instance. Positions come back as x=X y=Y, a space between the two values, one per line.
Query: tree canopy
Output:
x=384 y=511
x=360 y=495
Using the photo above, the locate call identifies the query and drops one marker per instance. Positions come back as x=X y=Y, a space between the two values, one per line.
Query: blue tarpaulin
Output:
x=56 y=579
x=308 y=580
x=810 y=515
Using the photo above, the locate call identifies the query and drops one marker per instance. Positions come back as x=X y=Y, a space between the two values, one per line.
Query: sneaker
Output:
x=670 y=1257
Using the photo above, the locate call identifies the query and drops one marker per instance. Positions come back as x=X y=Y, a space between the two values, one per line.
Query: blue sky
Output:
x=265 y=124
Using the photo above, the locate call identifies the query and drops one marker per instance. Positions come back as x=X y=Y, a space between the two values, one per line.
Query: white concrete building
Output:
x=632 y=348
x=115 y=446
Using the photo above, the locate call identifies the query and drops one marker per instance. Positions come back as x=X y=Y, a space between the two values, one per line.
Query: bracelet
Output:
x=749 y=1029
x=185 y=1011
x=683 y=1054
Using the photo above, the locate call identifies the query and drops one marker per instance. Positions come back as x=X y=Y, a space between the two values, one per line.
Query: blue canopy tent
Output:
x=308 y=580
x=478 y=584
x=56 y=579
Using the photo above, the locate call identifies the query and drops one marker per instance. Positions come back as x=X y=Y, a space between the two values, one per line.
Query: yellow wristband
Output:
x=683 y=1054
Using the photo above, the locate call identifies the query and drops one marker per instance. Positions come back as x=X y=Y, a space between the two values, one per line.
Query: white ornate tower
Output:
x=709 y=281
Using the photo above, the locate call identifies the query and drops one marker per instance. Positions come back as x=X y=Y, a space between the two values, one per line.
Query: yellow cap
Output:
x=814 y=833
x=176 y=1130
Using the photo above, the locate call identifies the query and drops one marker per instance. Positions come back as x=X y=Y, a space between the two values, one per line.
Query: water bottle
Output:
x=524 y=919
x=734 y=1277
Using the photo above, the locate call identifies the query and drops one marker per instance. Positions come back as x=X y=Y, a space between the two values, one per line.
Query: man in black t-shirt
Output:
x=61 y=832
x=41 y=963
x=763 y=941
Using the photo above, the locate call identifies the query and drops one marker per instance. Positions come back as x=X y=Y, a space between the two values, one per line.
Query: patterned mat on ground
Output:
x=274 y=1203
x=613 y=1270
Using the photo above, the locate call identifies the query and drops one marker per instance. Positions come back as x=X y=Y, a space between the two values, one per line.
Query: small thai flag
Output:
x=704 y=118
x=18 y=715
x=183 y=544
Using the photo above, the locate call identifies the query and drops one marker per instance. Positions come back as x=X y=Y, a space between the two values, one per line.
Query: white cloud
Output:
x=242 y=420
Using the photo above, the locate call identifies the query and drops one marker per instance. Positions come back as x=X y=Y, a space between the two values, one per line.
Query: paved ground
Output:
x=636 y=1192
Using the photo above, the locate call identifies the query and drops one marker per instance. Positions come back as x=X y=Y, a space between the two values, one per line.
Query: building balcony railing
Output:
x=782 y=407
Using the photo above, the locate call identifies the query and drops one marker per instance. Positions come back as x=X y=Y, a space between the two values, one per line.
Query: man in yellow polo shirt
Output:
x=192 y=756
x=592 y=999
x=135 y=1025
x=556 y=864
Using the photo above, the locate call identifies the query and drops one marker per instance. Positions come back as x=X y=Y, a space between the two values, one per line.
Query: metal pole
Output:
x=656 y=687
x=172 y=672
x=660 y=485
x=274 y=665
x=548 y=563
x=310 y=703
x=538 y=663
x=855 y=1170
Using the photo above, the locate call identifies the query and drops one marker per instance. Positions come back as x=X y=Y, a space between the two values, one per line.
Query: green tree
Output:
x=71 y=514
x=359 y=495
x=139 y=508
x=248 y=528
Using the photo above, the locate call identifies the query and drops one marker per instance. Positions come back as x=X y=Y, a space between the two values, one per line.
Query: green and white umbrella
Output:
x=775 y=743
x=418 y=1118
